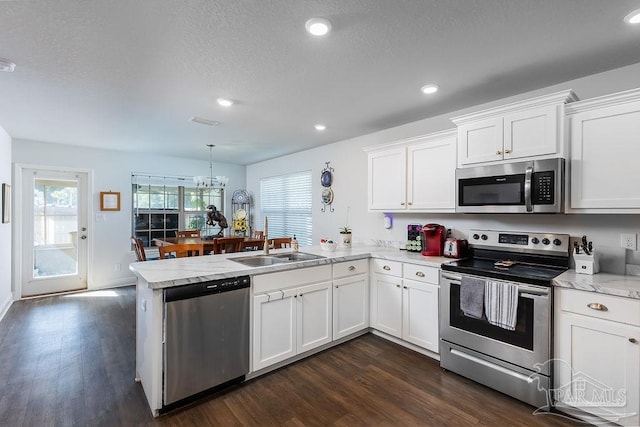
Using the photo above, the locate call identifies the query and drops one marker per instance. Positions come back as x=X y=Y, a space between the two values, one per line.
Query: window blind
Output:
x=286 y=202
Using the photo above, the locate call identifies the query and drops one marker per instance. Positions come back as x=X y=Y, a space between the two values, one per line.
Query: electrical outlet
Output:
x=629 y=241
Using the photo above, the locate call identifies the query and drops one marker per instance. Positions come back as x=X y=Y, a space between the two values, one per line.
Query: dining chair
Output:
x=257 y=234
x=181 y=251
x=227 y=245
x=280 y=242
x=188 y=233
x=251 y=245
x=139 y=248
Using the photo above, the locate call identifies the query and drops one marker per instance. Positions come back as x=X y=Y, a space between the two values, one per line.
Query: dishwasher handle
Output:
x=206 y=288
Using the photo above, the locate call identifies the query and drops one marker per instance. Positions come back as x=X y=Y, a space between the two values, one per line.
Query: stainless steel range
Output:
x=496 y=311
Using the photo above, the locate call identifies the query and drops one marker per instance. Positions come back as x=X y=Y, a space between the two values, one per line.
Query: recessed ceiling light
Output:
x=202 y=121
x=633 y=17
x=429 y=89
x=225 y=102
x=318 y=26
x=320 y=127
x=6 y=65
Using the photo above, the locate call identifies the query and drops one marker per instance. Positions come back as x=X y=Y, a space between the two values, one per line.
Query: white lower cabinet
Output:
x=406 y=308
x=291 y=320
x=350 y=305
x=597 y=355
x=420 y=314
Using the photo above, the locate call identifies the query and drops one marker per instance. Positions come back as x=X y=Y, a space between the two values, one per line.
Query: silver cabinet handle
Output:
x=386 y=267
x=597 y=306
x=336 y=286
x=498 y=152
x=352 y=267
x=397 y=286
x=402 y=204
x=507 y=151
x=633 y=340
x=419 y=274
x=409 y=203
x=405 y=287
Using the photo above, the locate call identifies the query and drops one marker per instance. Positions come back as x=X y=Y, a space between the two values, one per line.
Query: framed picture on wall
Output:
x=6 y=203
x=109 y=200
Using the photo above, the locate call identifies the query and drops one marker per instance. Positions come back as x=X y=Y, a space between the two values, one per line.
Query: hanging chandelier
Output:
x=210 y=182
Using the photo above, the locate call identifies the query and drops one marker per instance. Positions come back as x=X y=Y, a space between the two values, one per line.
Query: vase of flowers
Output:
x=345 y=237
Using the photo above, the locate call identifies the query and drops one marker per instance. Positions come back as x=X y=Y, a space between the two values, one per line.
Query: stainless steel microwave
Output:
x=535 y=186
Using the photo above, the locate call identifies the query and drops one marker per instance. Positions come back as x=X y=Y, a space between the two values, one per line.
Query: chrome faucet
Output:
x=266 y=237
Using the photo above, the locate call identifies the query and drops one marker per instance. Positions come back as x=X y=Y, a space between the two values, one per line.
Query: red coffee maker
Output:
x=433 y=236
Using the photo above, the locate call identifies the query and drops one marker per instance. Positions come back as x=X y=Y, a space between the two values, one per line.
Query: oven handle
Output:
x=524 y=291
x=493 y=366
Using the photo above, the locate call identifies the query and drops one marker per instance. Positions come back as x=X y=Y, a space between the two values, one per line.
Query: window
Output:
x=161 y=206
x=286 y=202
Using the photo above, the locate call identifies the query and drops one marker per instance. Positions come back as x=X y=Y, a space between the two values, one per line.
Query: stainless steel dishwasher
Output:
x=206 y=338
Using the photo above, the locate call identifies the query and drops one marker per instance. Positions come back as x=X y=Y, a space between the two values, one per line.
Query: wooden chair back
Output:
x=181 y=251
x=227 y=245
x=257 y=234
x=280 y=242
x=251 y=246
x=139 y=248
x=188 y=233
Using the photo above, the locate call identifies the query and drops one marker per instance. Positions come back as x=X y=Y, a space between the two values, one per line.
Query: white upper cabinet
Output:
x=605 y=154
x=415 y=174
x=527 y=129
x=387 y=179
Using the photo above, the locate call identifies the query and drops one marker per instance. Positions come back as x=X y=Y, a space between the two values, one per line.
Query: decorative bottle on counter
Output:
x=294 y=244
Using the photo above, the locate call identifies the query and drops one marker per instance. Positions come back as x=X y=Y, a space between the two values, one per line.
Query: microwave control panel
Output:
x=543 y=188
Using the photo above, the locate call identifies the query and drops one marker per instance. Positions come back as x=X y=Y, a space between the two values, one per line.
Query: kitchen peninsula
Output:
x=336 y=293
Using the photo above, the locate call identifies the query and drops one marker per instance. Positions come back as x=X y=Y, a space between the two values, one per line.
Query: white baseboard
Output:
x=408 y=345
x=125 y=281
x=5 y=305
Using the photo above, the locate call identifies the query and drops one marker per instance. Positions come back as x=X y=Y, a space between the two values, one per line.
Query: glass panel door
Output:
x=55 y=250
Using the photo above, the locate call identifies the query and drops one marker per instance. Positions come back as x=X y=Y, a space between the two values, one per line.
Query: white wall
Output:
x=350 y=187
x=111 y=171
x=5 y=229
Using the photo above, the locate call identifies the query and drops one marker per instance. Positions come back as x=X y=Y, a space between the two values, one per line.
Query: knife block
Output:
x=587 y=264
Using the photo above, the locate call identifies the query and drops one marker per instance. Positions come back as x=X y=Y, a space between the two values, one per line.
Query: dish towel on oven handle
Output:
x=501 y=304
x=472 y=296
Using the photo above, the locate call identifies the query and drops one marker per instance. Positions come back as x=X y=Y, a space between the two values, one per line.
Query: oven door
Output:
x=526 y=346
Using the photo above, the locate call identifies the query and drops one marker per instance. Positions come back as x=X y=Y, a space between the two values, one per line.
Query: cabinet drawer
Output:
x=383 y=266
x=421 y=273
x=287 y=279
x=617 y=309
x=350 y=268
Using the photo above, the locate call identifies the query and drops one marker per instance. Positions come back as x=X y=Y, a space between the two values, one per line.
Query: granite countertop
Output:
x=181 y=271
x=604 y=283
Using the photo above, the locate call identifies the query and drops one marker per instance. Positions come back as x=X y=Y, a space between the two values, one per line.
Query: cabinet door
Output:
x=597 y=367
x=431 y=175
x=386 y=304
x=387 y=179
x=531 y=132
x=314 y=316
x=350 y=305
x=604 y=157
x=420 y=314
x=274 y=328
x=480 y=142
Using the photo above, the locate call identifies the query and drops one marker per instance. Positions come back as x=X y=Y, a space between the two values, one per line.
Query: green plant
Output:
x=345 y=230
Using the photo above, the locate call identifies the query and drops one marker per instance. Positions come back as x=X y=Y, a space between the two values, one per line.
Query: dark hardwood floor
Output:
x=69 y=360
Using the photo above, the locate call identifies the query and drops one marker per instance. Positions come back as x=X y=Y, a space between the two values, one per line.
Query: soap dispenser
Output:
x=294 y=244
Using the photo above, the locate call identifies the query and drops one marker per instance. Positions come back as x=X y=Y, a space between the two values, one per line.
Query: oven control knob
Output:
x=476 y=237
x=535 y=240
x=546 y=241
x=557 y=242
x=484 y=237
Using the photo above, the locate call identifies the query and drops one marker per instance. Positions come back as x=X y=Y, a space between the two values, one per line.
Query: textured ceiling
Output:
x=128 y=74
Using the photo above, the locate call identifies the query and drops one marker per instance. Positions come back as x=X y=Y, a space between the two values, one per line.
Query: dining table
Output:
x=207 y=242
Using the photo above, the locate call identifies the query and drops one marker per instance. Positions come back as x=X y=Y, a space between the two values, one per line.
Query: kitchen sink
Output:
x=264 y=260
x=297 y=256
